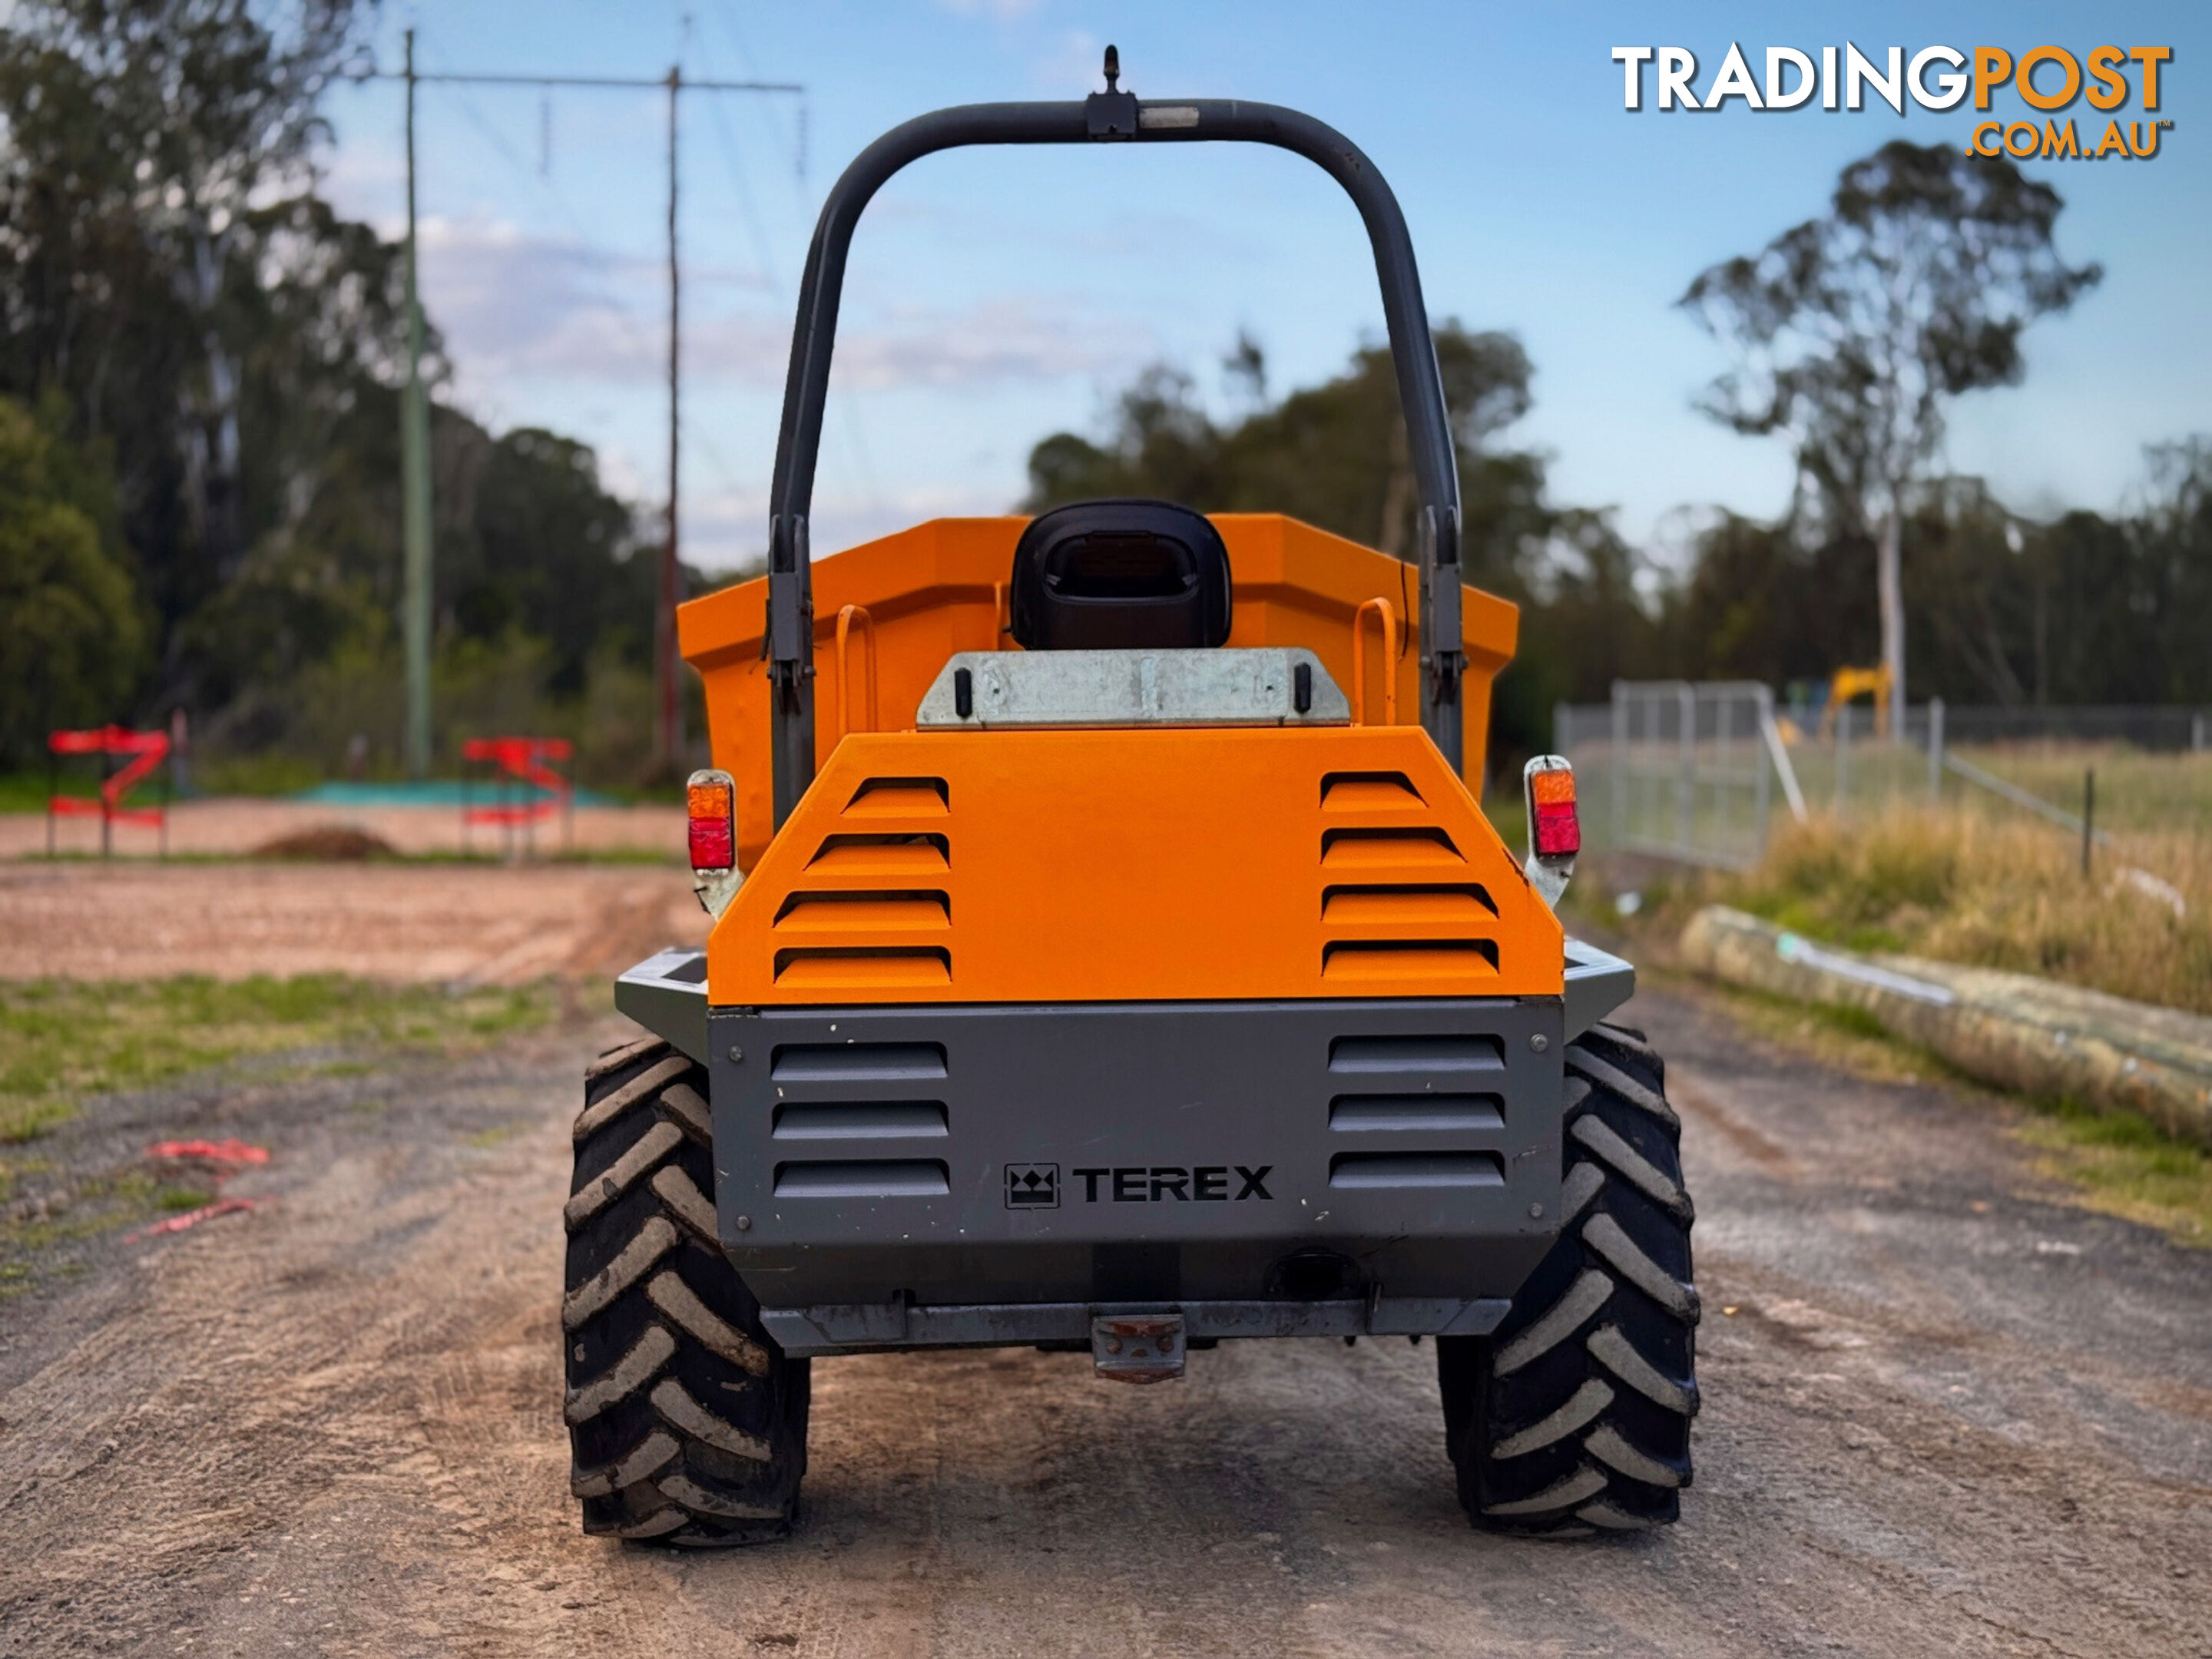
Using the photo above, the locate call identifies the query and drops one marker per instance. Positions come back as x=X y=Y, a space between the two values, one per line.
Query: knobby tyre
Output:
x=686 y=1424
x=1573 y=1417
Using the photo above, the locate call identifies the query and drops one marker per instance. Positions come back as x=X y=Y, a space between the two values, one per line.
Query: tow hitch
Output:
x=1138 y=1347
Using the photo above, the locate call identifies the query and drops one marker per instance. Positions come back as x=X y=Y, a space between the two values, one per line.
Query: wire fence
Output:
x=1695 y=772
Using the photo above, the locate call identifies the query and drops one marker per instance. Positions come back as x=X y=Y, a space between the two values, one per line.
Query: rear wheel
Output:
x=686 y=1423
x=1574 y=1415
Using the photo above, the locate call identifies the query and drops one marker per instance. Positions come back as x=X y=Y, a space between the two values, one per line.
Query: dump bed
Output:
x=942 y=586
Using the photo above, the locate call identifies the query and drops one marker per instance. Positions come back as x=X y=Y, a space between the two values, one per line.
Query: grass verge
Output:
x=1957 y=887
x=2123 y=1164
x=62 y=1041
x=2117 y=1163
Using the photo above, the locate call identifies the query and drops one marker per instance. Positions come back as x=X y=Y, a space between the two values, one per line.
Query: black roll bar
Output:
x=1112 y=116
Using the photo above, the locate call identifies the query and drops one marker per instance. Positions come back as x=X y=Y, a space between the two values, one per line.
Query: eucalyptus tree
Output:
x=1851 y=333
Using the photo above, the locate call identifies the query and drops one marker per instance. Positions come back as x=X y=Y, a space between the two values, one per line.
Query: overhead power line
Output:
x=668 y=714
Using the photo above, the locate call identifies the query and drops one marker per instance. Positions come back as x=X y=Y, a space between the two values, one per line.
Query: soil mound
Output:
x=328 y=844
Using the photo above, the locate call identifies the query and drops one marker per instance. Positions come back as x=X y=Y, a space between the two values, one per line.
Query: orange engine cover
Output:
x=1134 y=865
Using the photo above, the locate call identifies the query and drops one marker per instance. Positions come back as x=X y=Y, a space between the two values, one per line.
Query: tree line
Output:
x=1849 y=336
x=200 y=358
x=199 y=365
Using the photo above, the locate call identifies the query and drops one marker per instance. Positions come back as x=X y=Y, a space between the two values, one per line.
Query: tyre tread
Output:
x=1572 y=1418
x=656 y=1324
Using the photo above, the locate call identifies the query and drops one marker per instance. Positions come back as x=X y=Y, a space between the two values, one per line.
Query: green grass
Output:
x=2125 y=1165
x=2117 y=1163
x=29 y=791
x=63 y=1041
x=254 y=775
x=83 y=1209
x=1509 y=815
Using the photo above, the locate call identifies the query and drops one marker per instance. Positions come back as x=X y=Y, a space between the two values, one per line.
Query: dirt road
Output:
x=439 y=923
x=232 y=826
x=1949 y=1415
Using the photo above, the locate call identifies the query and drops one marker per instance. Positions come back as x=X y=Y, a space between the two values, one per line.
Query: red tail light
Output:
x=1555 y=829
x=709 y=799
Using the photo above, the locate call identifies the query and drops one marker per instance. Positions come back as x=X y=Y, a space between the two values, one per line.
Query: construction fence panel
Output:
x=1675 y=769
x=1694 y=772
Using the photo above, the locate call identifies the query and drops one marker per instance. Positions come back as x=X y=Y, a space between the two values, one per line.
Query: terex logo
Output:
x=1206 y=1184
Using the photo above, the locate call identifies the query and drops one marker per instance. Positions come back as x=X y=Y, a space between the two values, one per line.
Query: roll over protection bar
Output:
x=1111 y=117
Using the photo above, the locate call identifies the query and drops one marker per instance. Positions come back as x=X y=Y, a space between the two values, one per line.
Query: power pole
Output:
x=415 y=486
x=668 y=707
x=415 y=445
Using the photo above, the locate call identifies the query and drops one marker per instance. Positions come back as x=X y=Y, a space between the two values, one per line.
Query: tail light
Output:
x=710 y=811
x=1555 y=831
x=1554 y=827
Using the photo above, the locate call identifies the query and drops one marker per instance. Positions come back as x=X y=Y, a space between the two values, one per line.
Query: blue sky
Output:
x=995 y=296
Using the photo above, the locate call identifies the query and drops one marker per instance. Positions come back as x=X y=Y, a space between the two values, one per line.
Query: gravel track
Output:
x=500 y=925
x=231 y=826
x=1950 y=1414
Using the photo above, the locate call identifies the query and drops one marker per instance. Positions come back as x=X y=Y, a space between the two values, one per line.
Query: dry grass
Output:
x=1960 y=887
x=2135 y=790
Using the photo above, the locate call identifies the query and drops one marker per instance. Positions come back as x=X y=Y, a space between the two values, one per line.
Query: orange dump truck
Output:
x=1111 y=954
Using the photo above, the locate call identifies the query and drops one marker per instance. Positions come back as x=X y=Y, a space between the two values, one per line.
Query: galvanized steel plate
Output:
x=1241 y=686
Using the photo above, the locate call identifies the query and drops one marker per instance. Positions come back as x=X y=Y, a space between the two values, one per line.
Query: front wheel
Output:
x=686 y=1422
x=1574 y=1415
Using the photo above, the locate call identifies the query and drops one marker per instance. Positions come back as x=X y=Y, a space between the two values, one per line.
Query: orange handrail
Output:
x=1388 y=612
x=846 y=617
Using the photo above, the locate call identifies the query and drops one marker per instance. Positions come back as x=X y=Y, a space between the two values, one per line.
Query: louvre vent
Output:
x=862 y=968
x=1412 y=1169
x=900 y=797
x=862 y=911
x=860 y=1119
x=1407 y=904
x=859 y=1178
x=856 y=1062
x=851 y=934
x=882 y=855
x=1454 y=1054
x=1450 y=959
x=1367 y=791
x=1370 y=848
x=1396 y=912
x=1389 y=1114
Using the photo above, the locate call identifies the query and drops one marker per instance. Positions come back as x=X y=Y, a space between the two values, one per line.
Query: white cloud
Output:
x=514 y=304
x=998 y=11
x=726 y=530
x=992 y=342
x=509 y=301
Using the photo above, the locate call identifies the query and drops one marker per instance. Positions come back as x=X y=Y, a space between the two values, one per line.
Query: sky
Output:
x=997 y=295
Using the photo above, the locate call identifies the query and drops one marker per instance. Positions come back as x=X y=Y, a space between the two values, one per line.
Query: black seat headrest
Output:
x=1117 y=575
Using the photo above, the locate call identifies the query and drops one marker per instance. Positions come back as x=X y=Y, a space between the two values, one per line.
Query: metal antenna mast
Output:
x=415 y=442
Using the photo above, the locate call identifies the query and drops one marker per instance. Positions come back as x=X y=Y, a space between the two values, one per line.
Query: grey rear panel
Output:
x=976 y=1157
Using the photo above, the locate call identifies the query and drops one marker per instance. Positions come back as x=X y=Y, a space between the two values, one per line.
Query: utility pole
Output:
x=668 y=706
x=415 y=426
x=415 y=486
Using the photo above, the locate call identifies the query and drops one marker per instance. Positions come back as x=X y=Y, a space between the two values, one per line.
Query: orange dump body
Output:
x=1122 y=863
